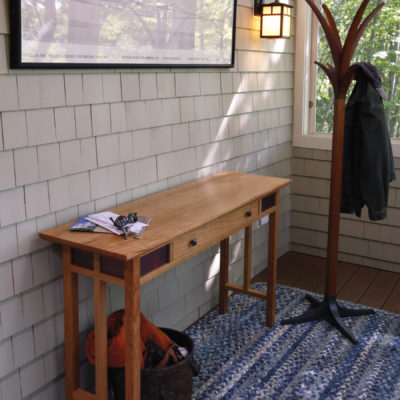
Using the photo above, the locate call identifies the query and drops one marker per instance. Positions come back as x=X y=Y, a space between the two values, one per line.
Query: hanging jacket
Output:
x=367 y=153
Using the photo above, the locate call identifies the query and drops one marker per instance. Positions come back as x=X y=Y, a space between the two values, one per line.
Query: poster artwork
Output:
x=145 y=32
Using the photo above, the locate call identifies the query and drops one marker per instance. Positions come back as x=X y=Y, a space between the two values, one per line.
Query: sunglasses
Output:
x=121 y=221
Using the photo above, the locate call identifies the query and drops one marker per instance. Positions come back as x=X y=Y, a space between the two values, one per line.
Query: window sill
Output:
x=323 y=141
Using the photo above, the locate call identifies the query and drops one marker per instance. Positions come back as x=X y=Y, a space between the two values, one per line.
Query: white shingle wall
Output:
x=76 y=142
x=361 y=241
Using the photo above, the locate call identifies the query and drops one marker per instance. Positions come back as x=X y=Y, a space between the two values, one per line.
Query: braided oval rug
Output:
x=241 y=359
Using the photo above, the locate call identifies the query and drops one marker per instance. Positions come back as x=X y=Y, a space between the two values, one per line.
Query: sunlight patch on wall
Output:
x=213 y=268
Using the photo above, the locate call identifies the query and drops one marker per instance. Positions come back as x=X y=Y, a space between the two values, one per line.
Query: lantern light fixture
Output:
x=275 y=19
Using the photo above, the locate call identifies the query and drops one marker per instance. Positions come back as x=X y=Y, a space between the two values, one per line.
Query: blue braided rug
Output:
x=241 y=359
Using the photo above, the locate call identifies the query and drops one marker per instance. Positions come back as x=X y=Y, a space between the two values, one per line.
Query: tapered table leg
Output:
x=100 y=333
x=71 y=326
x=223 y=276
x=132 y=330
x=272 y=264
x=247 y=257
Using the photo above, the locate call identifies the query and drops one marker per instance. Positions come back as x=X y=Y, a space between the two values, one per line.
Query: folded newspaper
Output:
x=83 y=225
x=105 y=220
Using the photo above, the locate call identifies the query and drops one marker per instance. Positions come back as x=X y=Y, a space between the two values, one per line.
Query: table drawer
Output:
x=213 y=232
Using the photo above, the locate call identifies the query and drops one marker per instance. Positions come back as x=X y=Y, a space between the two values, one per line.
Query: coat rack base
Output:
x=331 y=311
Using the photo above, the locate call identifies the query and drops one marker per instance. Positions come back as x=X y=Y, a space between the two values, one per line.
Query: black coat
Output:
x=367 y=160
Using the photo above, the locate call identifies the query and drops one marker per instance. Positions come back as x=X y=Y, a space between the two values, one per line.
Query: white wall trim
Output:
x=302 y=75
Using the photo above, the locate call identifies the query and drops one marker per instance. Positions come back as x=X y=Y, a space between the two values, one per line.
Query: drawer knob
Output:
x=193 y=242
x=248 y=214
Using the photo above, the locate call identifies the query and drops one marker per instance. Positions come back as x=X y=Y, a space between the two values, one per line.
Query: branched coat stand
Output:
x=340 y=74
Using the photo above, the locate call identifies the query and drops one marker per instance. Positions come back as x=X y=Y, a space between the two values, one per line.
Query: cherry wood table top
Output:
x=173 y=212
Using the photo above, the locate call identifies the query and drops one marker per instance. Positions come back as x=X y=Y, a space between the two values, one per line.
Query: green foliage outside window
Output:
x=379 y=45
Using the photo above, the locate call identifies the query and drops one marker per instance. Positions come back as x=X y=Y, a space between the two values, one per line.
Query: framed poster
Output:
x=122 y=33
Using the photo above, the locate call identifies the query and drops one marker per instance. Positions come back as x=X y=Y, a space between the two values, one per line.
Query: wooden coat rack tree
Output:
x=340 y=75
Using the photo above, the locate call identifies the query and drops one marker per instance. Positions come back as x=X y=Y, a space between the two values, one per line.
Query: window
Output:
x=380 y=45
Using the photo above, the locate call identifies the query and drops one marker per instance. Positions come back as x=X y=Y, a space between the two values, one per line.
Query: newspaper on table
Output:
x=83 y=225
x=105 y=219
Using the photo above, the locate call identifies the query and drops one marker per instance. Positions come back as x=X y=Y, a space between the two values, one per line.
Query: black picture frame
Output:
x=80 y=34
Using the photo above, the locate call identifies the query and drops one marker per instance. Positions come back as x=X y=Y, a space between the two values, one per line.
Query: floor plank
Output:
x=392 y=302
x=313 y=277
x=293 y=266
x=355 y=283
x=344 y=272
x=379 y=290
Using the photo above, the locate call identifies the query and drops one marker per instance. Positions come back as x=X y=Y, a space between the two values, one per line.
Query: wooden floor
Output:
x=355 y=283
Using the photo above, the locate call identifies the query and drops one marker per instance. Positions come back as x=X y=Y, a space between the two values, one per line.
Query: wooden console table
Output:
x=185 y=220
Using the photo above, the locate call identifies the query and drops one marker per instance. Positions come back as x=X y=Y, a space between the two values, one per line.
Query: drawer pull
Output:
x=248 y=214
x=193 y=242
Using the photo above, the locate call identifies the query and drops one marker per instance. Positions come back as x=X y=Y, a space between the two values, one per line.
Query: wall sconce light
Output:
x=275 y=19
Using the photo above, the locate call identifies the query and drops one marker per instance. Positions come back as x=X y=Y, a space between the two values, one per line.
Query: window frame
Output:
x=303 y=129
